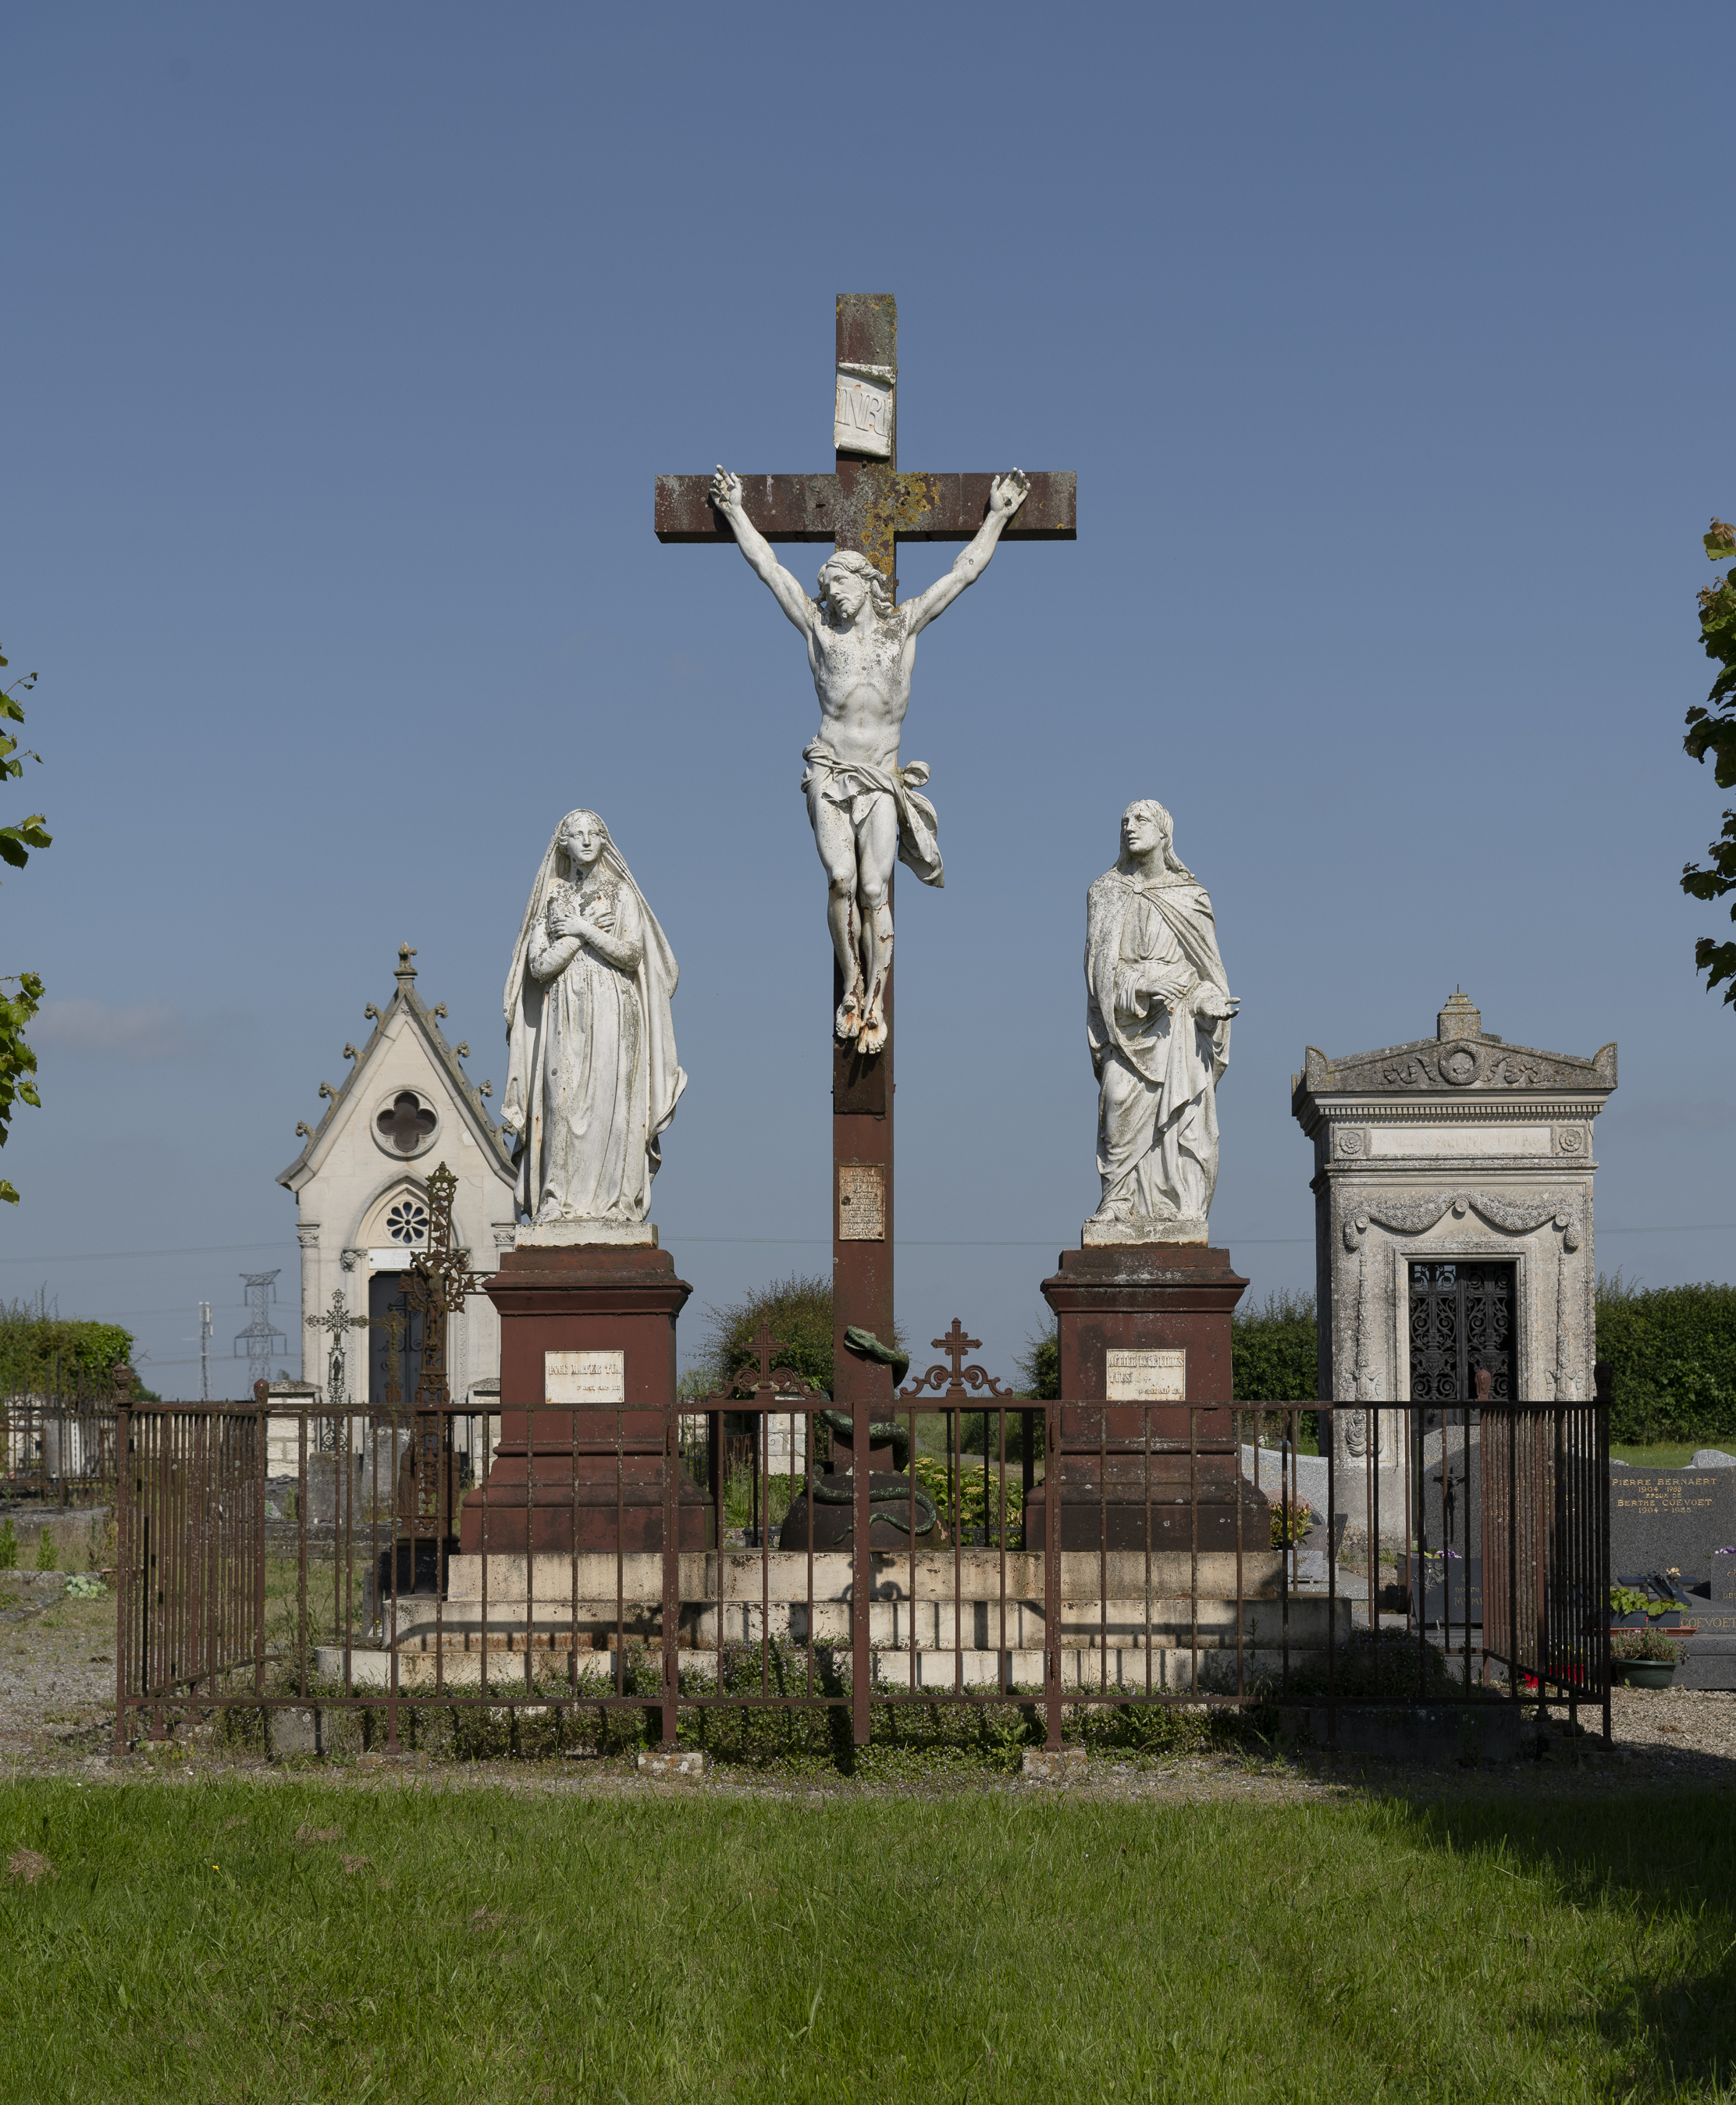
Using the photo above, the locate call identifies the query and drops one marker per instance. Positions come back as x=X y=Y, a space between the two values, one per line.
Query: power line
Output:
x=102 y=1256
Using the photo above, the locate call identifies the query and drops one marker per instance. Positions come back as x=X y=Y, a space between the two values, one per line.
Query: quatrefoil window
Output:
x=405 y=1122
x=407 y=1222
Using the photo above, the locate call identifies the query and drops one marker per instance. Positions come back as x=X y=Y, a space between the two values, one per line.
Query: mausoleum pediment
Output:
x=1461 y=1059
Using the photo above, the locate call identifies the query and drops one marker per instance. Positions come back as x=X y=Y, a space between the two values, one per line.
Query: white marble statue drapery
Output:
x=592 y=1076
x=1158 y=1014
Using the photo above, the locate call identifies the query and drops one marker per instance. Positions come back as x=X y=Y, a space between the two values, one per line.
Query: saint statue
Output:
x=592 y=1076
x=1158 y=1017
x=862 y=803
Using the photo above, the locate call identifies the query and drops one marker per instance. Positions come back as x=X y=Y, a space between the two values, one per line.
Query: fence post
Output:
x=671 y=1567
x=1051 y=1578
x=123 y=1568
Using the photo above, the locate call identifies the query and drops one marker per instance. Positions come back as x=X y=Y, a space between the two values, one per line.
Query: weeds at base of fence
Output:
x=549 y=1719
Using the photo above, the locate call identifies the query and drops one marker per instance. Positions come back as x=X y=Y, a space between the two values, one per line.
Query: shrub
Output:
x=47 y=1556
x=798 y=1311
x=1291 y=1521
x=38 y=1347
x=1275 y=1350
x=8 y=1547
x=1672 y=1350
x=1645 y=1644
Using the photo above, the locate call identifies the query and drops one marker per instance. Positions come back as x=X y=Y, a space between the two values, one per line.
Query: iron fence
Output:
x=1006 y=1553
x=57 y=1448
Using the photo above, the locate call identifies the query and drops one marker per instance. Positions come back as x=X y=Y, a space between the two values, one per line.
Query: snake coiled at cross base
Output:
x=887 y=1431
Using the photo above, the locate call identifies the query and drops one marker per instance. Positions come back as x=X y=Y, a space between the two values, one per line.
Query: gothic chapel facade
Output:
x=360 y=1184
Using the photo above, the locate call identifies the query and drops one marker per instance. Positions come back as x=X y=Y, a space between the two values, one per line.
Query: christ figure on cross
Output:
x=862 y=804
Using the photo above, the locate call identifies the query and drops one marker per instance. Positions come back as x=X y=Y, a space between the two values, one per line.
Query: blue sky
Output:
x=1390 y=346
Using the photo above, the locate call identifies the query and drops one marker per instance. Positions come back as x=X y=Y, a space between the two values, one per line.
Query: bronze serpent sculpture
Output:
x=886 y=1431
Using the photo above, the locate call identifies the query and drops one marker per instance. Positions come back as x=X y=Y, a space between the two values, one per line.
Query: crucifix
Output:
x=862 y=801
x=335 y=1322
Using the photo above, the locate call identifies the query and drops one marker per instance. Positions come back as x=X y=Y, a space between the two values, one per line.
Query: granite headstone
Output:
x=1670 y=1520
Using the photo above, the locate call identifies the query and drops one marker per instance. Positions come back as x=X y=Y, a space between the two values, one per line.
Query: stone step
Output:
x=1120 y=1670
x=925 y=1575
x=932 y=1625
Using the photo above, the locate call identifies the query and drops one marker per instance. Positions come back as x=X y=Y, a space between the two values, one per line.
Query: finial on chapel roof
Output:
x=406 y=970
x=1461 y=1018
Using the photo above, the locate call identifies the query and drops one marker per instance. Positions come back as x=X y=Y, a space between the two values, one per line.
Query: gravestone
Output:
x=1670 y=1520
x=1680 y=1520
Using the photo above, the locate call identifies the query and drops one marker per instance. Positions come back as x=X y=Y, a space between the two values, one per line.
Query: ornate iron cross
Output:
x=962 y=1379
x=336 y=1321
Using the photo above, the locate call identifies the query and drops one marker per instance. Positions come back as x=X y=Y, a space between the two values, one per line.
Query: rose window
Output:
x=407 y=1222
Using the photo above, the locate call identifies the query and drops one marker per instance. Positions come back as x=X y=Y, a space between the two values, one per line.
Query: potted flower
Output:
x=1643 y=1659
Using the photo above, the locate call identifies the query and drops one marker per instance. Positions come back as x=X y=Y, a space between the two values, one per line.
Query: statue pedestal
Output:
x=1150 y=1320
x=588 y=1476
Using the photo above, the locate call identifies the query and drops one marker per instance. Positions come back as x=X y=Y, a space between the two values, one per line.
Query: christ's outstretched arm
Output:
x=1008 y=493
x=726 y=493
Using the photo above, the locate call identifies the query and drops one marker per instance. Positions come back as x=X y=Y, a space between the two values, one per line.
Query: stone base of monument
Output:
x=587 y=1329
x=924 y=1634
x=830 y=1523
x=1141 y=1326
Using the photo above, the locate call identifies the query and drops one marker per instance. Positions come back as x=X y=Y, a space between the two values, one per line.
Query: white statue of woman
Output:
x=1158 y=1017
x=592 y=1076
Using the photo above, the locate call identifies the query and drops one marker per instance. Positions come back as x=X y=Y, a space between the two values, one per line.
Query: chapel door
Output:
x=394 y=1345
x=1463 y=1322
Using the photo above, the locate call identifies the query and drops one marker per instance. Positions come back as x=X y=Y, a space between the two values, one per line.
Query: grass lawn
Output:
x=1666 y=1454
x=238 y=1942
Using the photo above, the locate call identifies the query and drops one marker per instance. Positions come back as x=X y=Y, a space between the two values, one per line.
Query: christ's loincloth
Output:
x=856 y=787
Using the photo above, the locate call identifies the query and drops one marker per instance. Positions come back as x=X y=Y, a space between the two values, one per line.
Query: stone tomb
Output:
x=1666 y=1520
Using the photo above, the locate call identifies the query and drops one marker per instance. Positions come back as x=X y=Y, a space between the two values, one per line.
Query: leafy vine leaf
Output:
x=17 y=1058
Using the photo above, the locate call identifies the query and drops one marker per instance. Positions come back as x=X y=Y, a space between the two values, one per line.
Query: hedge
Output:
x=1673 y=1352
x=37 y=1348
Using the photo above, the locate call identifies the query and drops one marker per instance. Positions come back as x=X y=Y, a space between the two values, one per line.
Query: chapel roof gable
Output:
x=406 y=1010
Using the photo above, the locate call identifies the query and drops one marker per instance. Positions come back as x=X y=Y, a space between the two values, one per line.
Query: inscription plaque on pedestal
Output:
x=584 y=1377
x=1156 y=1375
x=861 y=1202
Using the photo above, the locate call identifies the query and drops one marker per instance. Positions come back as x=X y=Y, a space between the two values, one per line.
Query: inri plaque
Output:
x=584 y=1377
x=862 y=420
x=1158 y=1375
x=861 y=1202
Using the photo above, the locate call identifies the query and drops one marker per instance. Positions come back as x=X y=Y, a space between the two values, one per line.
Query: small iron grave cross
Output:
x=957 y=1346
x=436 y=1286
x=336 y=1321
x=866 y=503
x=763 y=1346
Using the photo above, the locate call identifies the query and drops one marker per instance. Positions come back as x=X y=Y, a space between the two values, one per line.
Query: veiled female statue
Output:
x=1157 y=1018
x=592 y=1075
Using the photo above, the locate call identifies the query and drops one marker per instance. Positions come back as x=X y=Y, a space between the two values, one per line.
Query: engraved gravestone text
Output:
x=584 y=1377
x=1158 y=1375
x=861 y=1202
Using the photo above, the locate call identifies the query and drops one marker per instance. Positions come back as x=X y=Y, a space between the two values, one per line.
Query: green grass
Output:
x=475 y=1946
x=1668 y=1455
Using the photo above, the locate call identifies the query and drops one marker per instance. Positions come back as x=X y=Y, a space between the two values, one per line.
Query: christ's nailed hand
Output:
x=725 y=490
x=1007 y=492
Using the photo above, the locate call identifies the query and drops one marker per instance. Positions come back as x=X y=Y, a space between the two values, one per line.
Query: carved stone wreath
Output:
x=1351 y=1140
x=1412 y=1218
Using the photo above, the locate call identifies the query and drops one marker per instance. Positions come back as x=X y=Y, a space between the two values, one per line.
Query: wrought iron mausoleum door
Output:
x=394 y=1344
x=1461 y=1323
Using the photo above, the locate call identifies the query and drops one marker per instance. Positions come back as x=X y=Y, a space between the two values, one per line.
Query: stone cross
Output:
x=866 y=504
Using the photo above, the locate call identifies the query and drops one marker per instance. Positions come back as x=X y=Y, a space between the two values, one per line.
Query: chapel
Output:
x=360 y=1187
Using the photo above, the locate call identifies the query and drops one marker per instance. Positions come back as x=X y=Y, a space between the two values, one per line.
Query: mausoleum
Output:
x=1452 y=1196
x=406 y=1106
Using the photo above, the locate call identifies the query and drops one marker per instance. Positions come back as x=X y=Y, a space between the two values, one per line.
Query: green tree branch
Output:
x=17 y=1059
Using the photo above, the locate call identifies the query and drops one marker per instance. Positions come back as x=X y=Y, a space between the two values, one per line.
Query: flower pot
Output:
x=1646 y=1673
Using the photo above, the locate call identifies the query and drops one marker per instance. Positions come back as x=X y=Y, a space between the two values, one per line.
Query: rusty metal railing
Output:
x=996 y=1551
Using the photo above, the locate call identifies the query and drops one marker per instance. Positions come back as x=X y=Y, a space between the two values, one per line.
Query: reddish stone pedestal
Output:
x=589 y=1476
x=1140 y=1297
